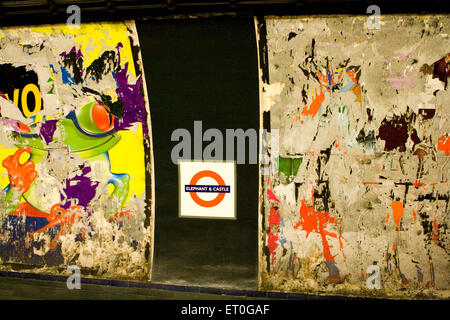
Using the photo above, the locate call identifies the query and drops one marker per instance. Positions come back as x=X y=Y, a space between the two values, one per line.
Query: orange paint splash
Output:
x=444 y=144
x=23 y=127
x=20 y=175
x=341 y=244
x=435 y=232
x=58 y=216
x=120 y=214
x=397 y=210
x=316 y=221
x=26 y=210
x=315 y=105
x=418 y=184
x=351 y=74
x=356 y=89
x=323 y=78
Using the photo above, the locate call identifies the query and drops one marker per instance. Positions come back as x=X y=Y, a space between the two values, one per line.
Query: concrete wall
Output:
x=75 y=151
x=362 y=174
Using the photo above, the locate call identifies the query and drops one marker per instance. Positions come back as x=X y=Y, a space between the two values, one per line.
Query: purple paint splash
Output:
x=133 y=102
x=80 y=187
x=47 y=130
x=119 y=45
x=129 y=94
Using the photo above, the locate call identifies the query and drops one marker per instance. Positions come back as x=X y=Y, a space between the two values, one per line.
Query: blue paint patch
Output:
x=114 y=76
x=19 y=246
x=53 y=69
x=282 y=241
x=19 y=229
x=347 y=87
x=330 y=79
x=319 y=112
x=66 y=77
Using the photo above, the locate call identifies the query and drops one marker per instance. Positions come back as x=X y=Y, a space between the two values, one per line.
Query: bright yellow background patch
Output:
x=94 y=38
x=128 y=156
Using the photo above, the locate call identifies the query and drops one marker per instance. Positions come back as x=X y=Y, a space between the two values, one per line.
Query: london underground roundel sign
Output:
x=207 y=189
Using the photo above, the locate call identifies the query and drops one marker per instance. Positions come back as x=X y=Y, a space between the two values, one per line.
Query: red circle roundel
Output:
x=207 y=203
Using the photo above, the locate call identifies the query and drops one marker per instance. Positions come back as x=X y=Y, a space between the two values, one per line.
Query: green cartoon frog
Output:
x=68 y=164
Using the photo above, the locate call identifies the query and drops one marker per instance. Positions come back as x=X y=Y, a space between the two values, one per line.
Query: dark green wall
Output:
x=201 y=69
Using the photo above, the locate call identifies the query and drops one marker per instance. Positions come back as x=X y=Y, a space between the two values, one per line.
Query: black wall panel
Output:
x=202 y=69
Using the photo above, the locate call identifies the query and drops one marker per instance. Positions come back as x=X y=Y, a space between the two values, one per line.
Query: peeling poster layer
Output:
x=75 y=150
x=363 y=162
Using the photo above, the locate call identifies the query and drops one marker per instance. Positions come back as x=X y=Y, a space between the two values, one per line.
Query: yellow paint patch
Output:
x=128 y=156
x=95 y=38
x=4 y=153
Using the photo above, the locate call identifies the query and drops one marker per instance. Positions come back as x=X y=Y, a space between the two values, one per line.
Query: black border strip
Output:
x=109 y=10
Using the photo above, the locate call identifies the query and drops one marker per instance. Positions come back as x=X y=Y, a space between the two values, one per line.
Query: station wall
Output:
x=353 y=178
x=358 y=197
x=75 y=150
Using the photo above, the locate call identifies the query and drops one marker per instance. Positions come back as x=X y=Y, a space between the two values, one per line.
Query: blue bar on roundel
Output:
x=204 y=188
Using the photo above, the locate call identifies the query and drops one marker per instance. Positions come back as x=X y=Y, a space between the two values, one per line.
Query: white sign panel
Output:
x=207 y=189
